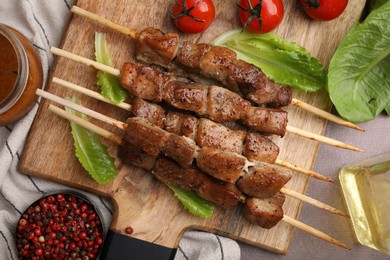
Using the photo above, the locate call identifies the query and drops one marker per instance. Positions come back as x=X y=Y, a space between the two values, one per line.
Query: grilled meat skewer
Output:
x=218 y=104
x=118 y=140
x=216 y=63
x=220 y=193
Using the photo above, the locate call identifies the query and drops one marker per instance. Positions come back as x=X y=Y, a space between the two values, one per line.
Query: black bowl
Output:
x=60 y=226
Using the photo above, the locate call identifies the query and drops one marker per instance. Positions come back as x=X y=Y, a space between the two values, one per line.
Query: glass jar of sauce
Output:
x=20 y=75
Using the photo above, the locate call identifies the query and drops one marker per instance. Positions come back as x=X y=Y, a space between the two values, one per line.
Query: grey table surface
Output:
x=374 y=141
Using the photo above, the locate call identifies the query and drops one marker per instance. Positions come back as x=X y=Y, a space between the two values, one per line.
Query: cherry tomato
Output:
x=193 y=16
x=261 y=16
x=324 y=10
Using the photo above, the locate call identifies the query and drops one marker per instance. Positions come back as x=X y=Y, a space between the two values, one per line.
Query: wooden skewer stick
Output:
x=324 y=114
x=116 y=72
x=118 y=140
x=98 y=130
x=295 y=223
x=103 y=21
x=123 y=126
x=294 y=102
x=126 y=106
x=312 y=201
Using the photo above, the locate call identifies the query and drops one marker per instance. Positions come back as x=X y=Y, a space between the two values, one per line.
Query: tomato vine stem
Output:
x=255 y=12
x=186 y=12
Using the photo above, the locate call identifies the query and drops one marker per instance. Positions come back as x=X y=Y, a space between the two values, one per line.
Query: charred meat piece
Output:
x=169 y=172
x=271 y=94
x=191 y=97
x=145 y=136
x=151 y=112
x=257 y=88
x=191 y=55
x=129 y=154
x=217 y=63
x=265 y=213
x=225 y=105
x=191 y=178
x=225 y=195
x=260 y=148
x=222 y=165
x=266 y=120
x=181 y=149
x=215 y=135
x=181 y=124
x=153 y=46
x=264 y=180
x=144 y=82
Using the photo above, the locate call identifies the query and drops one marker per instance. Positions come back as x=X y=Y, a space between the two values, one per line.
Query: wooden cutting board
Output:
x=140 y=200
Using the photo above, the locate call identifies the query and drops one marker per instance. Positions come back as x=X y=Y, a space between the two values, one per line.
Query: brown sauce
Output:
x=31 y=76
x=8 y=68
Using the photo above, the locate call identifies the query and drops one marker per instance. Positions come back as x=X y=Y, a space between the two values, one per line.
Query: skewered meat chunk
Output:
x=265 y=212
x=191 y=97
x=266 y=120
x=224 y=105
x=223 y=165
x=143 y=81
x=190 y=55
x=181 y=124
x=180 y=148
x=168 y=172
x=129 y=154
x=145 y=136
x=152 y=112
x=210 y=134
x=264 y=180
x=191 y=178
x=216 y=64
x=155 y=47
x=260 y=148
x=225 y=195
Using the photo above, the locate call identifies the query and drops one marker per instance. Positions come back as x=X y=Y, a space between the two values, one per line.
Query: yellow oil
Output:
x=366 y=188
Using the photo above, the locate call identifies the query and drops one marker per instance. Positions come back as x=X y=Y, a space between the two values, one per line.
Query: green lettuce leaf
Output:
x=284 y=62
x=193 y=203
x=109 y=84
x=91 y=153
x=359 y=72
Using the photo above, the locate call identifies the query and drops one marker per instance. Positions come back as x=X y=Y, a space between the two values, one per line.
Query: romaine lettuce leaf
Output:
x=193 y=203
x=109 y=84
x=284 y=62
x=91 y=153
x=359 y=72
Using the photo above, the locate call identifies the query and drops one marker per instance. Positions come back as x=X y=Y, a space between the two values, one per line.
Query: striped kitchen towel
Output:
x=42 y=22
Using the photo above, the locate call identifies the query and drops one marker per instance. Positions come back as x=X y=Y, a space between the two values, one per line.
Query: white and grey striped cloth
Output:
x=42 y=22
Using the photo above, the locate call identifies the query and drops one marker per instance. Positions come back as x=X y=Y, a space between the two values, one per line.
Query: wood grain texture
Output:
x=140 y=200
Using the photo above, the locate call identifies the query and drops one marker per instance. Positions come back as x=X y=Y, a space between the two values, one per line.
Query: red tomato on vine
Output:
x=324 y=10
x=261 y=16
x=193 y=16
